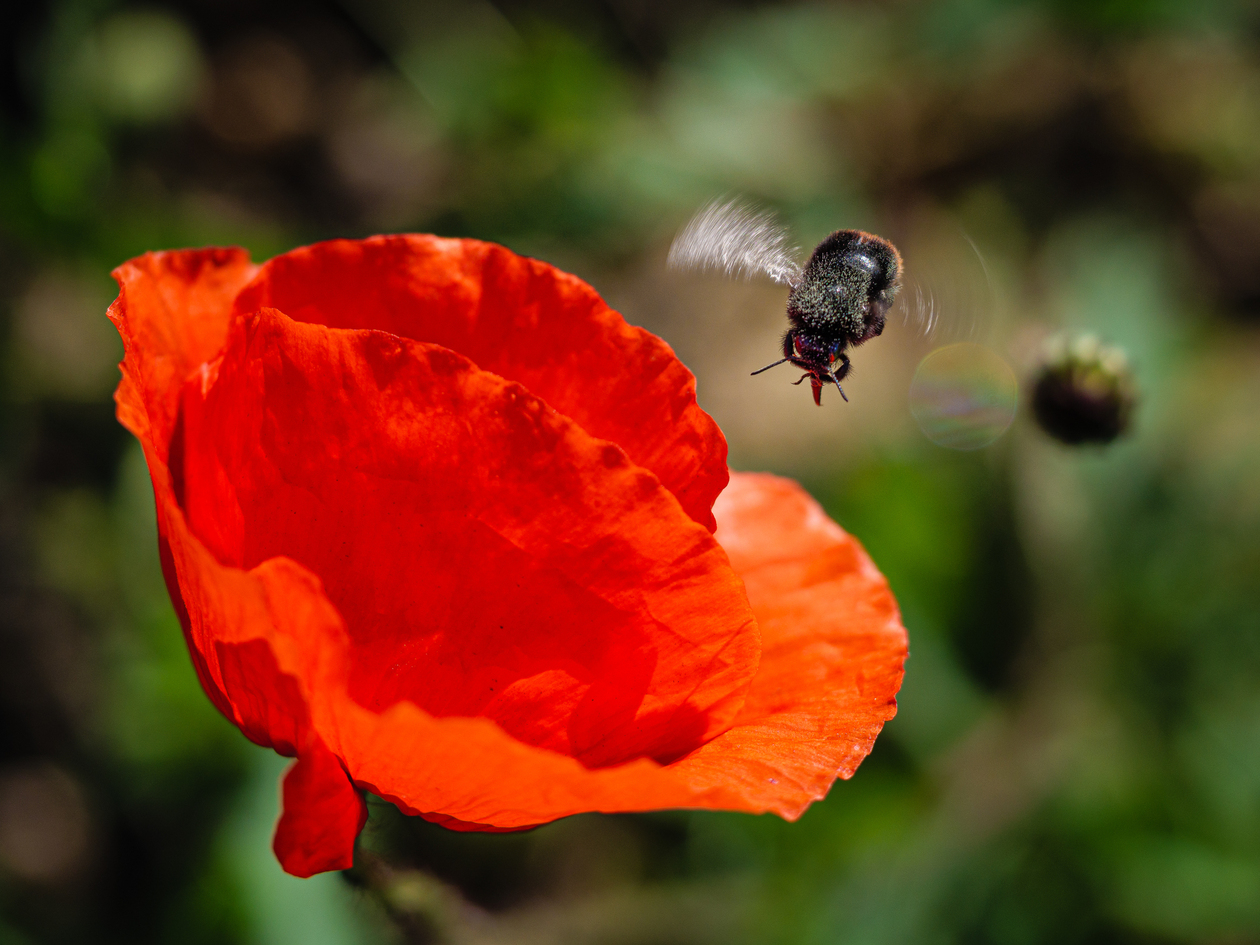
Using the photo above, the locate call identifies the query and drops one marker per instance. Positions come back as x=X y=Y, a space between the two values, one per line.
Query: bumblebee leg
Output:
x=841 y=373
x=797 y=382
x=789 y=344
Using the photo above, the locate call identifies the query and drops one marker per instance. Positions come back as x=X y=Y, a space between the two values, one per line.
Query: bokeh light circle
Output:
x=963 y=396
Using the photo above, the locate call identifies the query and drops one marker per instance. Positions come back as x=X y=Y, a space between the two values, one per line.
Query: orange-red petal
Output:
x=322 y=815
x=834 y=650
x=488 y=556
x=523 y=320
x=172 y=312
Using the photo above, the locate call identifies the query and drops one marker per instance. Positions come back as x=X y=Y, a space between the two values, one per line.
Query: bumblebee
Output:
x=839 y=299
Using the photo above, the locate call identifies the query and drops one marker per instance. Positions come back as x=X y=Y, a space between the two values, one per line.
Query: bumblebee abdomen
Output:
x=847 y=286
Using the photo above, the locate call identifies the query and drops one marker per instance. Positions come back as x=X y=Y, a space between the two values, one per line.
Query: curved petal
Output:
x=172 y=312
x=262 y=642
x=322 y=815
x=523 y=320
x=488 y=556
x=242 y=629
x=833 y=653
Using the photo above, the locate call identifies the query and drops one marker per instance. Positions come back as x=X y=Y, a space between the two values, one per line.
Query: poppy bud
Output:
x=1084 y=391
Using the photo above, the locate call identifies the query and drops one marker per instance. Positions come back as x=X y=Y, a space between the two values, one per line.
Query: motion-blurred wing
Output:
x=733 y=237
x=949 y=296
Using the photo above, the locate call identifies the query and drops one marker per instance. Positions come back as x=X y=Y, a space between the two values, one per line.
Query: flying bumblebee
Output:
x=839 y=298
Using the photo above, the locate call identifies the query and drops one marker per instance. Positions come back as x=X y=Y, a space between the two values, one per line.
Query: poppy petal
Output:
x=833 y=650
x=488 y=556
x=833 y=656
x=172 y=313
x=322 y=815
x=262 y=640
x=523 y=320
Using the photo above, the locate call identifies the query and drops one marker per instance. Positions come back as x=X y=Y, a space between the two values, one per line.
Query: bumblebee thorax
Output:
x=846 y=287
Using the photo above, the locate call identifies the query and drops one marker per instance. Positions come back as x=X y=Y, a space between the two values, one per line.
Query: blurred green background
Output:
x=1077 y=756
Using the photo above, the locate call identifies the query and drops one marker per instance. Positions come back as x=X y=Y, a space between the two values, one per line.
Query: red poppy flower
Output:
x=440 y=524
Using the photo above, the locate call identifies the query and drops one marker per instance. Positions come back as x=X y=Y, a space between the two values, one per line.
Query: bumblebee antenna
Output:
x=769 y=366
x=838 y=387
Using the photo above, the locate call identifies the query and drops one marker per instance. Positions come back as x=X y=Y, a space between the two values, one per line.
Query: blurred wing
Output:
x=738 y=240
x=919 y=308
x=950 y=296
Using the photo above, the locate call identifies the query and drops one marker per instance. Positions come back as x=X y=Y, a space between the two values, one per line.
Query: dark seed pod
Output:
x=1084 y=391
